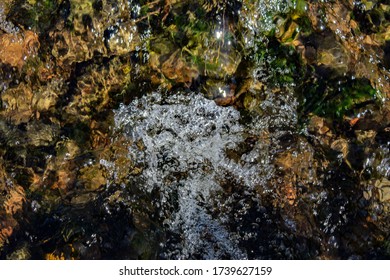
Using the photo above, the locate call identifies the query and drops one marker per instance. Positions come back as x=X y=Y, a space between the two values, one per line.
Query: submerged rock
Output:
x=15 y=49
x=17 y=104
x=362 y=49
x=102 y=28
x=384 y=190
x=11 y=204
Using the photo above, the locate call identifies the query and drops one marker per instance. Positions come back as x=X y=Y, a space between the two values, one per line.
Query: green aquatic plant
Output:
x=279 y=64
x=337 y=98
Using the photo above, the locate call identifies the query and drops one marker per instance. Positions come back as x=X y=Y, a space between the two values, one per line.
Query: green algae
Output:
x=336 y=99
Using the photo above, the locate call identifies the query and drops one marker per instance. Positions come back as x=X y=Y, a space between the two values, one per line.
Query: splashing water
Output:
x=5 y=25
x=187 y=140
x=262 y=21
x=208 y=165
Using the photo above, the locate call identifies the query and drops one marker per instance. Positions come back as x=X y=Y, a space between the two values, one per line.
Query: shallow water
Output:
x=194 y=130
x=185 y=157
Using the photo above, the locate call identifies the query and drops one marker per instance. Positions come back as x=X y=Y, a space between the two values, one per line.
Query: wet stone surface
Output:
x=166 y=129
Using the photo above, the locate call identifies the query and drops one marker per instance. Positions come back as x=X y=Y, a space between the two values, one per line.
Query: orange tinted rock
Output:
x=11 y=202
x=5 y=232
x=15 y=200
x=291 y=193
x=16 y=48
x=64 y=179
x=177 y=69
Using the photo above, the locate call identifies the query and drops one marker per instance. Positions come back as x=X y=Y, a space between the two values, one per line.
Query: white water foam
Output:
x=186 y=141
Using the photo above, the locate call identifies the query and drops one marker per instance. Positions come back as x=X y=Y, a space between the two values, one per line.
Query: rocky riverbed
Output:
x=165 y=129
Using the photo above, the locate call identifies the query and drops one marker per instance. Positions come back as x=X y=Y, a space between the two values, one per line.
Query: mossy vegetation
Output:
x=338 y=98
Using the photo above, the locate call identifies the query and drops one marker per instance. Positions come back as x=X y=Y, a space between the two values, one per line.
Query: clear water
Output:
x=190 y=150
x=176 y=176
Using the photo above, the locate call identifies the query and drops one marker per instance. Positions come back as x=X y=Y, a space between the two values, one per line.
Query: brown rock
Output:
x=17 y=103
x=177 y=69
x=363 y=50
x=92 y=177
x=341 y=146
x=14 y=201
x=15 y=49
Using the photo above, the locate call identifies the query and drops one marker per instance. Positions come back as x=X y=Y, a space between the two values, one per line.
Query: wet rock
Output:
x=65 y=177
x=20 y=254
x=119 y=165
x=248 y=93
x=60 y=172
x=343 y=150
x=222 y=92
x=40 y=134
x=37 y=15
x=6 y=26
x=82 y=198
x=15 y=49
x=124 y=38
x=67 y=149
x=92 y=177
x=363 y=51
x=12 y=201
x=99 y=136
x=54 y=257
x=287 y=32
x=365 y=136
x=341 y=146
x=178 y=70
x=335 y=57
x=45 y=99
x=69 y=48
x=17 y=104
x=6 y=230
x=220 y=63
x=207 y=48
x=383 y=187
x=367 y=194
x=12 y=138
x=299 y=170
x=319 y=126
x=289 y=191
x=107 y=31
x=94 y=86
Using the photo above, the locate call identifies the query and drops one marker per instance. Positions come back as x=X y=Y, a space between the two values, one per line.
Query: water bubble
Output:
x=187 y=156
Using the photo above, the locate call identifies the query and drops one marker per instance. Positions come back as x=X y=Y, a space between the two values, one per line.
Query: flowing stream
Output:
x=232 y=129
x=191 y=150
